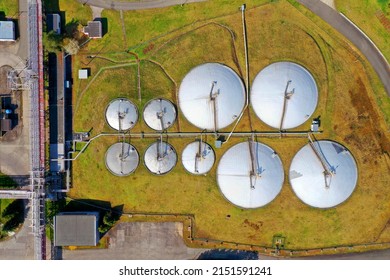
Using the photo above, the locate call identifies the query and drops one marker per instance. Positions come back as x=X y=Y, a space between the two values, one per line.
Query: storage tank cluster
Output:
x=250 y=174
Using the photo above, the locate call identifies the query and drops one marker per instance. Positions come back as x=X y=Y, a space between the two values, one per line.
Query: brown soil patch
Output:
x=383 y=19
x=366 y=127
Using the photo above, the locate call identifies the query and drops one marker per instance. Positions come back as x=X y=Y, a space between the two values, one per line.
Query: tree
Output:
x=52 y=42
x=71 y=46
x=71 y=29
x=109 y=220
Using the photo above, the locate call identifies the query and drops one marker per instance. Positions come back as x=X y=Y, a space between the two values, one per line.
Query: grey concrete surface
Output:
x=21 y=245
x=15 y=155
x=140 y=241
x=355 y=35
x=23 y=30
x=139 y=5
x=96 y=12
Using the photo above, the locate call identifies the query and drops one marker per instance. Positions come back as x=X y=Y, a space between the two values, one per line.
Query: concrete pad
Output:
x=330 y=3
x=96 y=12
x=21 y=245
x=140 y=241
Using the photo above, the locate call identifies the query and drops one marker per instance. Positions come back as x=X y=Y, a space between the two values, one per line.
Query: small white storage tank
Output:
x=121 y=114
x=160 y=158
x=159 y=114
x=122 y=159
x=198 y=157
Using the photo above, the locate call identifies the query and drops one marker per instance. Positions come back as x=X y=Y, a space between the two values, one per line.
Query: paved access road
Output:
x=139 y=5
x=357 y=37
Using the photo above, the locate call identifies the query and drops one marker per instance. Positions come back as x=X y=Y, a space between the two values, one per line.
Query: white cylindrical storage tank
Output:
x=159 y=114
x=323 y=174
x=250 y=174
x=122 y=159
x=121 y=114
x=211 y=96
x=198 y=157
x=160 y=158
x=284 y=95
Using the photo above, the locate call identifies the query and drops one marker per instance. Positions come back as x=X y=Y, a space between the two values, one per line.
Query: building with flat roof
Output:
x=76 y=229
x=7 y=31
x=83 y=74
x=54 y=23
x=93 y=29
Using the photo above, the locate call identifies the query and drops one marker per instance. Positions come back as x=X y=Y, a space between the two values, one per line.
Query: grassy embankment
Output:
x=348 y=92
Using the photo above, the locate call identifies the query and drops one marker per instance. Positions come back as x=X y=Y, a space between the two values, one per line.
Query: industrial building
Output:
x=7 y=31
x=93 y=29
x=76 y=229
x=53 y=22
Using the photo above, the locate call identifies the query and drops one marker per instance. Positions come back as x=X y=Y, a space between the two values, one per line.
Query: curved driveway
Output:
x=139 y=5
x=355 y=35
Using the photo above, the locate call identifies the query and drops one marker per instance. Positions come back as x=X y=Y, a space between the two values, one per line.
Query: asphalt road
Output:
x=353 y=34
x=140 y=5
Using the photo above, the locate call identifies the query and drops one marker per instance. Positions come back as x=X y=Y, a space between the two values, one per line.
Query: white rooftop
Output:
x=83 y=74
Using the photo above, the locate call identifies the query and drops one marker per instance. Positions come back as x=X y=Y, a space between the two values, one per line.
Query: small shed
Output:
x=76 y=229
x=5 y=125
x=7 y=31
x=83 y=74
x=93 y=29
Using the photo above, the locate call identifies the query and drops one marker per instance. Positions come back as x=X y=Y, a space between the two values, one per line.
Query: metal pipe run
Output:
x=242 y=8
x=142 y=135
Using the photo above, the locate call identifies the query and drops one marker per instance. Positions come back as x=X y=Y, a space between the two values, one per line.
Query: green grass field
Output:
x=363 y=14
x=285 y=32
x=11 y=216
x=6 y=182
x=10 y=8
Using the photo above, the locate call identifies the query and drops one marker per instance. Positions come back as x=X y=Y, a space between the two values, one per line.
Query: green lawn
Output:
x=73 y=9
x=11 y=215
x=10 y=8
x=362 y=13
x=284 y=33
x=6 y=182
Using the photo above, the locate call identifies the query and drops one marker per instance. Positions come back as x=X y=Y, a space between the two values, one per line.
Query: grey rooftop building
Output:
x=54 y=23
x=93 y=29
x=7 y=31
x=76 y=229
